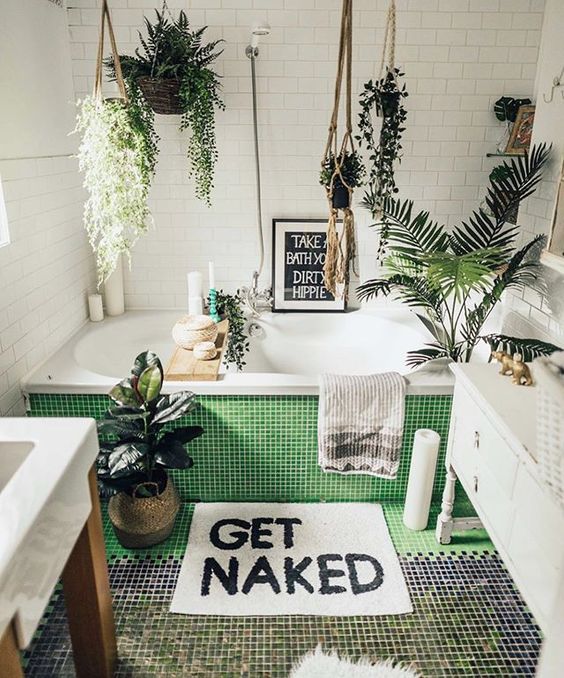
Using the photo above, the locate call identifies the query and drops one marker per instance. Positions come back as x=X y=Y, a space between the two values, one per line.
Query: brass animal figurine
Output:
x=519 y=371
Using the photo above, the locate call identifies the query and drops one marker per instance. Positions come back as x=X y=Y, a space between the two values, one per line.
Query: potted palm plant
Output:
x=454 y=279
x=173 y=75
x=137 y=451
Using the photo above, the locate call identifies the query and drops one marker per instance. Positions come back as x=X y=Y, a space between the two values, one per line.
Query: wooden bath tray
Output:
x=184 y=367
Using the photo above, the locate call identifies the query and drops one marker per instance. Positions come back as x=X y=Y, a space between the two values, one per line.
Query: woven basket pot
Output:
x=162 y=95
x=140 y=522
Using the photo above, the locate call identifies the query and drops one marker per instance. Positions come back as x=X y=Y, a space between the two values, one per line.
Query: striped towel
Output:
x=360 y=425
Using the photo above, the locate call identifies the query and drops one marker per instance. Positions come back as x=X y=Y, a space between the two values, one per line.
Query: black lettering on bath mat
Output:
x=294 y=576
x=227 y=579
x=288 y=529
x=326 y=573
x=352 y=559
x=257 y=531
x=261 y=573
x=241 y=538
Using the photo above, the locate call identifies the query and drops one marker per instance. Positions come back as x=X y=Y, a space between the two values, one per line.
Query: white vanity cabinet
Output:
x=491 y=450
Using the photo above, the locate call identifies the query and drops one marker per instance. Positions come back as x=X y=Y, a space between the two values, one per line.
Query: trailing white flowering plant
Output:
x=117 y=155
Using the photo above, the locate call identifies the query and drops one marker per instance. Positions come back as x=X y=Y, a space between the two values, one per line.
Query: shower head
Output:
x=262 y=28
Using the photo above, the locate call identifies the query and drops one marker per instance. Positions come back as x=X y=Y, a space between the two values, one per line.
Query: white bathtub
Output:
x=292 y=351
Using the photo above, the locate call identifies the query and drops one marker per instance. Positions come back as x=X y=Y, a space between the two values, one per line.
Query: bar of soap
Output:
x=205 y=350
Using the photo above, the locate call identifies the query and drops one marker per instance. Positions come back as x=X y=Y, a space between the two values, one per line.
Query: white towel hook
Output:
x=556 y=82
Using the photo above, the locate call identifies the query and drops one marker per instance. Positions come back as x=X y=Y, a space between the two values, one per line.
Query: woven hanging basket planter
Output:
x=140 y=522
x=162 y=95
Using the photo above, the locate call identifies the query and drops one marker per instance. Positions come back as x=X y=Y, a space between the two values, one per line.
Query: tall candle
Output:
x=95 y=309
x=194 y=284
x=211 y=273
x=421 y=478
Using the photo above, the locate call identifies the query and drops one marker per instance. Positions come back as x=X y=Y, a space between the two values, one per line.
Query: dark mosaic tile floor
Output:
x=469 y=620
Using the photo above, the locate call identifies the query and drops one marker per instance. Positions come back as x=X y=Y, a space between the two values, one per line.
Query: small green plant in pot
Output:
x=132 y=466
x=339 y=180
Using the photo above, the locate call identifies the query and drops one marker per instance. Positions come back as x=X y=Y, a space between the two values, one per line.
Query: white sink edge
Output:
x=43 y=507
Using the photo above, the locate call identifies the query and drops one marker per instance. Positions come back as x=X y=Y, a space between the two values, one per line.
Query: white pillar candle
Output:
x=194 y=284
x=421 y=479
x=195 y=306
x=95 y=308
x=211 y=274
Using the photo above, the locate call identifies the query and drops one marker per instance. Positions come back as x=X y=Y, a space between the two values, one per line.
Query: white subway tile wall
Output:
x=44 y=271
x=459 y=56
x=534 y=314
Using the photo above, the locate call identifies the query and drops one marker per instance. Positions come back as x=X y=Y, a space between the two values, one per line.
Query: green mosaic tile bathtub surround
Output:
x=264 y=448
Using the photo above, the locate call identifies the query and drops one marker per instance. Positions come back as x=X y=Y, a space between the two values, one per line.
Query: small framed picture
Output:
x=298 y=257
x=522 y=130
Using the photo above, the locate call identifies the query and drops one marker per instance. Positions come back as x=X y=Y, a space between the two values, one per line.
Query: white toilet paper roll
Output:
x=421 y=478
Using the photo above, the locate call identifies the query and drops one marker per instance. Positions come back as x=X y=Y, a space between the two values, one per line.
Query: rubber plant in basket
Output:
x=172 y=72
x=138 y=450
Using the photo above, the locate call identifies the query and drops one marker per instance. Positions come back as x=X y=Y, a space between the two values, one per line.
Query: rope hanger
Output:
x=97 y=92
x=340 y=247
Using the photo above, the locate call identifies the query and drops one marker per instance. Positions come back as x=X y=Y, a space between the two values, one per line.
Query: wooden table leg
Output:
x=445 y=522
x=10 y=664
x=88 y=599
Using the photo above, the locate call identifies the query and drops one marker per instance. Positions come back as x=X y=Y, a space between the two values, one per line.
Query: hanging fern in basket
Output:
x=172 y=71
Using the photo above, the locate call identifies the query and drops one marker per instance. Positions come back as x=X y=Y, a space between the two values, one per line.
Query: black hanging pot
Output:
x=388 y=104
x=340 y=198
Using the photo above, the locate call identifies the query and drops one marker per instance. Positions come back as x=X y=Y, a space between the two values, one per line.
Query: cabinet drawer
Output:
x=476 y=444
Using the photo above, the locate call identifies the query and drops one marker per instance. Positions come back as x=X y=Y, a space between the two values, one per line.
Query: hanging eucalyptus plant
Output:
x=117 y=154
x=382 y=98
x=171 y=74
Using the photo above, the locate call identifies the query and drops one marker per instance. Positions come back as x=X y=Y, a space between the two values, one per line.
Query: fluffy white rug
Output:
x=317 y=664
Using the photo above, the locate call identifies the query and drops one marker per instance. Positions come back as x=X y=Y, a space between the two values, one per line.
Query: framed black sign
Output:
x=298 y=256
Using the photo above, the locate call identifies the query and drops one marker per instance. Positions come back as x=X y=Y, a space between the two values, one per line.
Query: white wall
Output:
x=460 y=56
x=47 y=267
x=532 y=314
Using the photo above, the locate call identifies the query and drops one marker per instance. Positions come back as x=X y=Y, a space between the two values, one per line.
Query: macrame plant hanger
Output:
x=340 y=247
x=97 y=93
x=389 y=48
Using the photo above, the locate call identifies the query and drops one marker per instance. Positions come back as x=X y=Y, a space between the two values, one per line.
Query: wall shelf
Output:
x=500 y=155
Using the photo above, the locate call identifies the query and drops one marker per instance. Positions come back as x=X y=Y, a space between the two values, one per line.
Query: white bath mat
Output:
x=280 y=559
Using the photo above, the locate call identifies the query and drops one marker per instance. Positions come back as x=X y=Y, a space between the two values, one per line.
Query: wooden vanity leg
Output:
x=88 y=599
x=10 y=665
x=445 y=521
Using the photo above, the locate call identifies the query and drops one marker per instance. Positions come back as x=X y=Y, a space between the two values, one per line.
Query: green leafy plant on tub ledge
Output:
x=132 y=467
x=454 y=279
x=171 y=75
x=230 y=306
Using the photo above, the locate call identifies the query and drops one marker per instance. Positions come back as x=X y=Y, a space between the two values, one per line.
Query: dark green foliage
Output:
x=231 y=306
x=135 y=443
x=455 y=279
x=172 y=51
x=351 y=168
x=528 y=348
x=383 y=98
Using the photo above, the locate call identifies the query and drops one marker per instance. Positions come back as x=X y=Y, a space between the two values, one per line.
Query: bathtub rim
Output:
x=77 y=380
